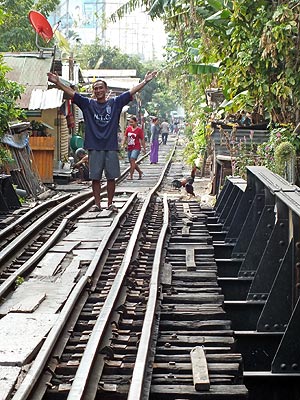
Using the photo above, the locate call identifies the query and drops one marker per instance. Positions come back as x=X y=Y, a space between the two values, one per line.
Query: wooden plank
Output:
x=93 y=220
x=209 y=289
x=65 y=246
x=229 y=357
x=29 y=303
x=166 y=276
x=196 y=339
x=8 y=378
x=56 y=294
x=88 y=245
x=72 y=271
x=185 y=231
x=183 y=379
x=193 y=324
x=204 y=332
x=192 y=307
x=197 y=246
x=86 y=233
x=190 y=259
x=192 y=276
x=192 y=315
x=196 y=285
x=49 y=264
x=187 y=222
x=194 y=298
x=84 y=254
x=224 y=391
x=199 y=369
x=14 y=350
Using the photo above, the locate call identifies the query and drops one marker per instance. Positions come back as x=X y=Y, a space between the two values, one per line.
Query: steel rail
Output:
x=22 y=238
x=44 y=205
x=55 y=199
x=9 y=249
x=44 y=353
x=36 y=369
x=137 y=381
x=10 y=281
x=29 y=214
x=84 y=370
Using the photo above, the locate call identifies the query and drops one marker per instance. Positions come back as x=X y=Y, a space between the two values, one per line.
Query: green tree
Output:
x=9 y=93
x=251 y=49
x=16 y=32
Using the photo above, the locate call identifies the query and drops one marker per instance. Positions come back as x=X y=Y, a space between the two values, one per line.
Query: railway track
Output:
x=123 y=306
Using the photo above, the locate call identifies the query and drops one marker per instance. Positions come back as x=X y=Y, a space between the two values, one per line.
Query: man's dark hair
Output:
x=100 y=80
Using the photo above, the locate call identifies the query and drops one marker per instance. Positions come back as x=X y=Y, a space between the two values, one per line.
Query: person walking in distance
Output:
x=165 y=129
x=134 y=135
x=155 y=130
x=101 y=117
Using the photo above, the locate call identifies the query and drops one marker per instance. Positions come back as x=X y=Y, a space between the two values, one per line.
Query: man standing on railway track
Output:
x=101 y=116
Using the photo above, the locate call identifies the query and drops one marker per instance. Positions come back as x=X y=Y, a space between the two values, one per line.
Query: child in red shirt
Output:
x=134 y=136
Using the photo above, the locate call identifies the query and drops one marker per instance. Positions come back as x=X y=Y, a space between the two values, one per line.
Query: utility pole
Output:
x=68 y=19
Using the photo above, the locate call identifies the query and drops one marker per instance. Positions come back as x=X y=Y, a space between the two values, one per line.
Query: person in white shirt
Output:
x=165 y=129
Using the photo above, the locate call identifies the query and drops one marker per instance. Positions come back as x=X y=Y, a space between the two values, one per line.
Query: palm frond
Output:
x=199 y=69
x=128 y=7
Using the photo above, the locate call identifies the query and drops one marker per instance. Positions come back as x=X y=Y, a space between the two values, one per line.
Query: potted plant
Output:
x=37 y=128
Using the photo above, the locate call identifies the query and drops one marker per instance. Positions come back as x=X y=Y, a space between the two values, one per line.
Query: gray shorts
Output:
x=104 y=160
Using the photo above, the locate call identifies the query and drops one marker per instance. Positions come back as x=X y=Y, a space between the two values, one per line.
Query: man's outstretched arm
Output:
x=54 y=78
x=148 y=77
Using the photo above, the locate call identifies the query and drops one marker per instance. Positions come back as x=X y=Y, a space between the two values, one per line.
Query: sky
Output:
x=135 y=34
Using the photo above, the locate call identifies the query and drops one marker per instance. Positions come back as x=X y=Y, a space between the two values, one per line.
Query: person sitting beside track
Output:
x=82 y=164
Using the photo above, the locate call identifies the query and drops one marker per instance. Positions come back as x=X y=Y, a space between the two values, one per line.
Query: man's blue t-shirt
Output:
x=101 y=120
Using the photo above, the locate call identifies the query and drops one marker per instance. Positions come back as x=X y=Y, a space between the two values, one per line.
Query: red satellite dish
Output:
x=41 y=25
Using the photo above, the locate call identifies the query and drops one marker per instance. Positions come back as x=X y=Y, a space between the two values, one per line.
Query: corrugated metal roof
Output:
x=120 y=83
x=45 y=99
x=104 y=73
x=115 y=78
x=31 y=71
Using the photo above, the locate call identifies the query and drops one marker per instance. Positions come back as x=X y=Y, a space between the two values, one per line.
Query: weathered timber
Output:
x=199 y=369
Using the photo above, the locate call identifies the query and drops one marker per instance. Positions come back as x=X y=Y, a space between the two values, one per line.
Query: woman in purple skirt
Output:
x=155 y=130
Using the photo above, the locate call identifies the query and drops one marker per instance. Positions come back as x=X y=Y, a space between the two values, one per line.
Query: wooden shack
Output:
x=223 y=138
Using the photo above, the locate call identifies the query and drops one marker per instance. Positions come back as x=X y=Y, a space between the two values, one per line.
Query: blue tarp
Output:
x=17 y=140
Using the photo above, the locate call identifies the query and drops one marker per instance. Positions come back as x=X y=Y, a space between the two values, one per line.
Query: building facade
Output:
x=135 y=34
